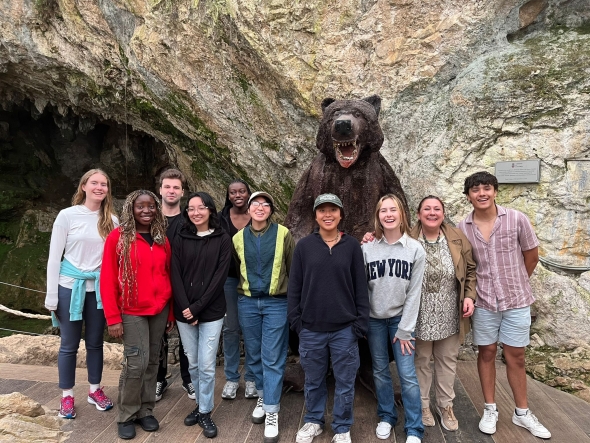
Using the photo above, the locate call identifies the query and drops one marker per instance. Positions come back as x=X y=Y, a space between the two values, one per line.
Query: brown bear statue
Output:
x=349 y=165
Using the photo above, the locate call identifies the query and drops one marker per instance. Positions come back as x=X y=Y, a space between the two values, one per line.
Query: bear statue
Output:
x=349 y=165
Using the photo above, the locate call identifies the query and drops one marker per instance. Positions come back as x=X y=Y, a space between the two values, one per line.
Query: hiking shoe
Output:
x=427 y=417
x=148 y=423
x=530 y=422
x=413 y=439
x=488 y=421
x=161 y=386
x=206 y=422
x=447 y=418
x=190 y=391
x=383 y=430
x=271 y=428
x=66 y=409
x=229 y=390
x=258 y=413
x=342 y=438
x=192 y=418
x=100 y=400
x=126 y=430
x=251 y=391
x=307 y=433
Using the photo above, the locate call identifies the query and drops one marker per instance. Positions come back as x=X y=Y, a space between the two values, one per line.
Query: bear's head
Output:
x=350 y=129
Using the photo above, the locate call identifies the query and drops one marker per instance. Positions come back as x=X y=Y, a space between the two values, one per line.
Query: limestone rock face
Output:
x=23 y=420
x=17 y=403
x=43 y=350
x=232 y=88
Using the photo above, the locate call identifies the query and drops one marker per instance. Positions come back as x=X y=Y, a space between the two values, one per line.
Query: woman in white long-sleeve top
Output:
x=73 y=295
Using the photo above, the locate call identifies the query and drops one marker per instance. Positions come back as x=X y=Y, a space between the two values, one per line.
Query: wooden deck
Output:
x=567 y=417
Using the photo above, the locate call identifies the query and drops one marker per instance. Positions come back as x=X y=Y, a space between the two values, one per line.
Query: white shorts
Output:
x=511 y=327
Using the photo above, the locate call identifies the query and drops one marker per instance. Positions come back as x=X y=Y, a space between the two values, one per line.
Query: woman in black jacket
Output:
x=233 y=217
x=200 y=261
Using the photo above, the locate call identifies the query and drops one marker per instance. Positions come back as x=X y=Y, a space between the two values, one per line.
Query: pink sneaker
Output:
x=66 y=410
x=100 y=400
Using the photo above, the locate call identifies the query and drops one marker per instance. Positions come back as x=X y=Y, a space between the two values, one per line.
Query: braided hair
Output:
x=127 y=274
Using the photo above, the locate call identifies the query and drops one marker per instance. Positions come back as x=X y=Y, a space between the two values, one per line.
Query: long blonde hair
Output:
x=106 y=212
x=404 y=225
x=128 y=274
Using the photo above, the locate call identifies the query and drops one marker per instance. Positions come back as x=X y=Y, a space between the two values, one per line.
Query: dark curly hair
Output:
x=127 y=276
x=480 y=178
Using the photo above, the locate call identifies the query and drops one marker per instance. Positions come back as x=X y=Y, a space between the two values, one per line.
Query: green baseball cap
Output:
x=327 y=198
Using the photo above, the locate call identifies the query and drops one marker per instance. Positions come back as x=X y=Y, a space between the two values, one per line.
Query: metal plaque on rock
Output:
x=522 y=171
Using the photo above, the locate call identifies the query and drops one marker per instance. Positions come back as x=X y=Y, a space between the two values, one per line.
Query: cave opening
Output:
x=43 y=153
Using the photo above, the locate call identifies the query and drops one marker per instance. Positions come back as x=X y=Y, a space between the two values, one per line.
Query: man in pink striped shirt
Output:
x=506 y=251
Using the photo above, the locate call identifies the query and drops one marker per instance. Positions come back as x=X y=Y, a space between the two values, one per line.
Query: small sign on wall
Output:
x=522 y=171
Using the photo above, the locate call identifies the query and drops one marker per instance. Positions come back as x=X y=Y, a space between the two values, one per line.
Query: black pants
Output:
x=163 y=367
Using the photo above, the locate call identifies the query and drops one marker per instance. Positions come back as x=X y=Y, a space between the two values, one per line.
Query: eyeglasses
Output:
x=264 y=205
x=197 y=209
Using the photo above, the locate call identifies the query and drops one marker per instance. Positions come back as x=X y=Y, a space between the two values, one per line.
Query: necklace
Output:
x=334 y=239
x=431 y=242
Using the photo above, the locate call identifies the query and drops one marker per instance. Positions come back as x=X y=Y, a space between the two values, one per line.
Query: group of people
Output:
x=407 y=291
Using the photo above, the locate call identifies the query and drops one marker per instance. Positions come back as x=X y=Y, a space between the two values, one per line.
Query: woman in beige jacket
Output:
x=447 y=302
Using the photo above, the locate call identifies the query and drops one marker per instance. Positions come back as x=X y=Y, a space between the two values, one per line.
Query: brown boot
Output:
x=447 y=418
x=427 y=418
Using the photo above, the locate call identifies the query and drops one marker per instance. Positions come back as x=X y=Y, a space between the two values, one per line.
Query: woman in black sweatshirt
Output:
x=328 y=306
x=200 y=261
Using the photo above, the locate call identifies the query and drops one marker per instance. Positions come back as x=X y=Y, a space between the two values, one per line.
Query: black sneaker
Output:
x=161 y=386
x=192 y=418
x=206 y=422
x=189 y=389
x=126 y=430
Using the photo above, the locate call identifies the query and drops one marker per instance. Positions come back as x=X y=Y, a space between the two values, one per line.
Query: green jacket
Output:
x=263 y=259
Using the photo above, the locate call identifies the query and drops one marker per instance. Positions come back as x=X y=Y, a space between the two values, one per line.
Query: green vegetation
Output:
x=18 y=323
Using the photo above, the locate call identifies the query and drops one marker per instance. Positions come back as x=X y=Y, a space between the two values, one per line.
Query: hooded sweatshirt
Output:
x=151 y=265
x=394 y=274
x=199 y=270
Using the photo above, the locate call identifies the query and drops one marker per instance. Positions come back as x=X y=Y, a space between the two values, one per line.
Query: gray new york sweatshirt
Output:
x=394 y=275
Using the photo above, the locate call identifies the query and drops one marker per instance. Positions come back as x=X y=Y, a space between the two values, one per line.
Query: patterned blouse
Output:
x=439 y=304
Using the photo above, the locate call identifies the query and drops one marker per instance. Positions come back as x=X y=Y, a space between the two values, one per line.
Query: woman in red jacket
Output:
x=136 y=292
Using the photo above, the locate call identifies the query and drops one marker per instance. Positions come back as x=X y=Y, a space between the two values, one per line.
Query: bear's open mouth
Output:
x=346 y=152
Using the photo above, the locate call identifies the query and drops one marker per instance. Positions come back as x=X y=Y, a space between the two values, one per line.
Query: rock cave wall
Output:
x=231 y=88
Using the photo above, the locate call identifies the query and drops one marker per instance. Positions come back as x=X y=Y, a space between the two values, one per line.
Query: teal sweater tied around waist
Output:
x=78 y=290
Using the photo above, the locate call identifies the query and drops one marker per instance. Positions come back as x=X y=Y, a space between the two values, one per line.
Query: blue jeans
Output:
x=266 y=332
x=200 y=346
x=231 y=334
x=71 y=333
x=381 y=334
x=315 y=349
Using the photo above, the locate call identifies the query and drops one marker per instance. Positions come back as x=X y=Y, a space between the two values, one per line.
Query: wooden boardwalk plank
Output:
x=49 y=374
x=562 y=428
x=506 y=431
x=576 y=409
x=42 y=391
x=565 y=416
x=10 y=386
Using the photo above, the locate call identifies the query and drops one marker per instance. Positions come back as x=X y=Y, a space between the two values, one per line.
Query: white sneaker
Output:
x=271 y=428
x=229 y=390
x=488 y=421
x=413 y=439
x=383 y=430
x=530 y=422
x=342 y=438
x=258 y=413
x=251 y=391
x=307 y=433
